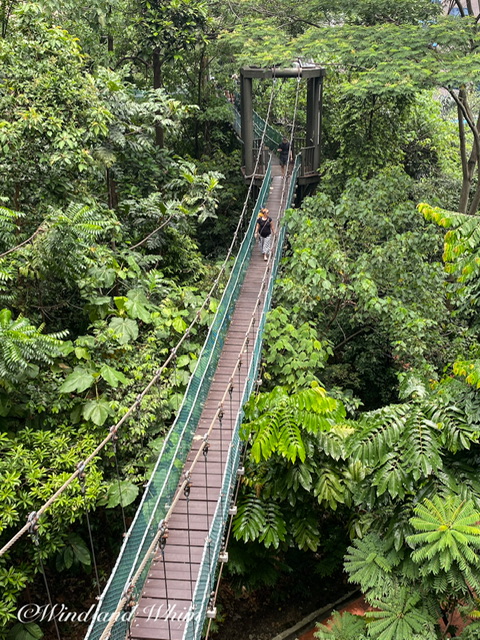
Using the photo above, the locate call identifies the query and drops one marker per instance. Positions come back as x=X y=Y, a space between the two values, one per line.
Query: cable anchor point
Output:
x=82 y=476
x=162 y=541
x=32 y=520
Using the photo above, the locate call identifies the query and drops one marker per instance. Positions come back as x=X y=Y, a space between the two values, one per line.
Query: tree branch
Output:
x=462 y=104
x=350 y=337
x=22 y=244
x=125 y=58
x=150 y=234
x=460 y=8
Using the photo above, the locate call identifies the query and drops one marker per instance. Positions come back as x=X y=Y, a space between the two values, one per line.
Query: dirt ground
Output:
x=260 y=616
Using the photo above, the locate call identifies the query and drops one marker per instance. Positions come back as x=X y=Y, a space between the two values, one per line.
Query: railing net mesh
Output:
x=166 y=475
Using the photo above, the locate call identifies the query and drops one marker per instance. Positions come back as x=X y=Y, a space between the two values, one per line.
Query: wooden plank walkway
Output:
x=169 y=588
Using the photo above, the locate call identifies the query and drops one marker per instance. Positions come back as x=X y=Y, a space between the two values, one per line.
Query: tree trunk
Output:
x=16 y=198
x=460 y=8
x=112 y=190
x=157 y=83
x=468 y=166
x=109 y=36
x=466 y=181
x=6 y=8
x=202 y=71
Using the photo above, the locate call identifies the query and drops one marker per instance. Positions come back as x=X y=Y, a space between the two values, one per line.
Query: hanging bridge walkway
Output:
x=163 y=585
x=165 y=580
x=165 y=611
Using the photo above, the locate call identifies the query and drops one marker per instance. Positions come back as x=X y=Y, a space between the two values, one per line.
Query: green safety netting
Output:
x=166 y=475
x=206 y=576
x=273 y=137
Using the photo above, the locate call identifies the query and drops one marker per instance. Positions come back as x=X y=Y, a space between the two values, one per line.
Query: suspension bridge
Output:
x=165 y=581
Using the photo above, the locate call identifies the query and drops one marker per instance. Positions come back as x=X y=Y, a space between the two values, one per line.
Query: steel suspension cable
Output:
x=204 y=447
x=173 y=352
x=237 y=488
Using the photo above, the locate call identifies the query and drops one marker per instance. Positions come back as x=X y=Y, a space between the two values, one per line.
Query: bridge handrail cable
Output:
x=129 y=582
x=113 y=430
x=202 y=595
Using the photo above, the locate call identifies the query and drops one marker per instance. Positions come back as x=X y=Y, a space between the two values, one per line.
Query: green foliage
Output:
x=50 y=121
x=121 y=493
x=448 y=537
x=277 y=429
x=371 y=563
x=172 y=26
x=401 y=618
x=22 y=345
x=258 y=520
x=461 y=251
x=359 y=281
x=29 y=631
x=345 y=626
x=295 y=354
x=75 y=552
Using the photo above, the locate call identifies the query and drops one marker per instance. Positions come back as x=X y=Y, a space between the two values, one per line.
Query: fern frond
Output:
x=377 y=433
x=448 y=535
x=370 y=563
x=422 y=453
x=400 y=617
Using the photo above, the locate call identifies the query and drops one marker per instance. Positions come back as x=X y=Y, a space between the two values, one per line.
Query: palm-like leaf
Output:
x=448 y=538
x=344 y=626
x=22 y=344
x=370 y=563
x=400 y=617
x=281 y=418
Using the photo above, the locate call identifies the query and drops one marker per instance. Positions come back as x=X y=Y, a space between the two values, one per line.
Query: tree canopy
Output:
x=120 y=189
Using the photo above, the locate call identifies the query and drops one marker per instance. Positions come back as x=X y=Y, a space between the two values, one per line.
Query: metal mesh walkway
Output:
x=185 y=508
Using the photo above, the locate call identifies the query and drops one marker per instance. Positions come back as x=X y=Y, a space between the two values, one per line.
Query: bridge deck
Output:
x=169 y=588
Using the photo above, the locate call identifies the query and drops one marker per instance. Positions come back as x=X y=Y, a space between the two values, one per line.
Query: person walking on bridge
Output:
x=264 y=231
x=285 y=154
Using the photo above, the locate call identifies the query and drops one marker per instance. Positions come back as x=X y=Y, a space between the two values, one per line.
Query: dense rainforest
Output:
x=120 y=191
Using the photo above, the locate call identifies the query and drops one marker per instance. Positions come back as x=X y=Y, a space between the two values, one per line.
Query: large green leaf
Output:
x=121 y=493
x=125 y=329
x=112 y=376
x=136 y=305
x=96 y=410
x=79 y=380
x=80 y=550
x=29 y=631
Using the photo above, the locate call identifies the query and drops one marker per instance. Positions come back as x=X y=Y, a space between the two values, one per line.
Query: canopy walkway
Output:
x=165 y=581
x=163 y=584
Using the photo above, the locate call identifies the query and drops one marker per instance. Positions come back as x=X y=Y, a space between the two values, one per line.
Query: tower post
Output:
x=246 y=111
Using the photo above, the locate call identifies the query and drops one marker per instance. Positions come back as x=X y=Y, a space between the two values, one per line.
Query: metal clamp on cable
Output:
x=81 y=476
x=162 y=541
x=211 y=609
x=188 y=485
x=32 y=520
x=138 y=402
x=114 y=433
x=206 y=447
x=130 y=600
